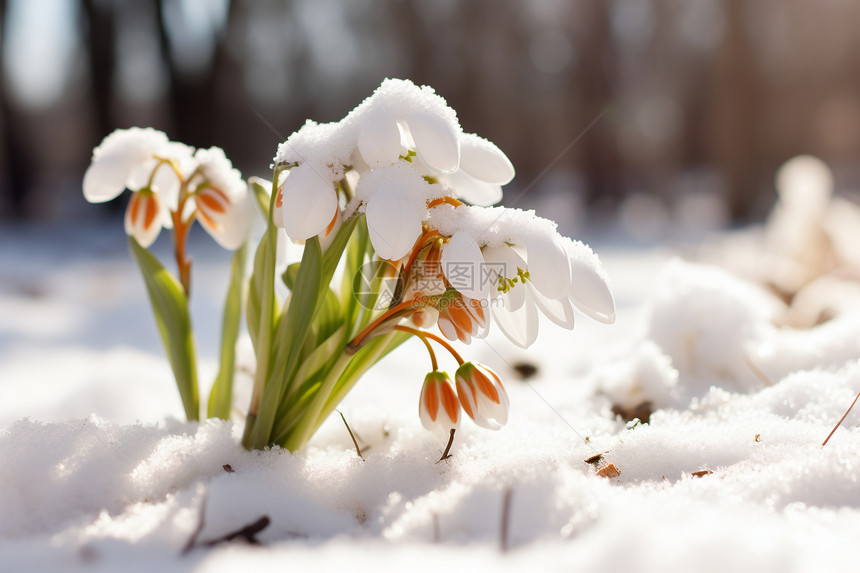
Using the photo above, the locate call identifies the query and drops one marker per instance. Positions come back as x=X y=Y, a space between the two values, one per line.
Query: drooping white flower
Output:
x=525 y=267
x=147 y=163
x=482 y=395
x=438 y=407
x=224 y=206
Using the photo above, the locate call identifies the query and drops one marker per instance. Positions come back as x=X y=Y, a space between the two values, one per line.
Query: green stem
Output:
x=267 y=317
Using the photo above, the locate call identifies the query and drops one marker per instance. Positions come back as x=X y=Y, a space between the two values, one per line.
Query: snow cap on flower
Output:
x=147 y=163
x=482 y=395
x=116 y=158
x=438 y=407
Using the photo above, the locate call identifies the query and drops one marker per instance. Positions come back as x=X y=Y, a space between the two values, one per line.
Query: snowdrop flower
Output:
x=223 y=204
x=461 y=318
x=147 y=163
x=482 y=395
x=438 y=407
x=521 y=265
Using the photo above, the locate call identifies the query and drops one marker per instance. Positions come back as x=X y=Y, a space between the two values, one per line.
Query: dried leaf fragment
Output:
x=608 y=471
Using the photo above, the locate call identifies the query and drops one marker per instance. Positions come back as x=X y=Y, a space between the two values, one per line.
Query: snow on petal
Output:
x=379 y=139
x=435 y=141
x=463 y=266
x=589 y=288
x=104 y=180
x=310 y=203
x=484 y=161
x=115 y=159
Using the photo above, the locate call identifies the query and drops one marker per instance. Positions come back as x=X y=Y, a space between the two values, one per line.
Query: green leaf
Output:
x=352 y=280
x=255 y=291
x=221 y=396
x=170 y=306
x=289 y=276
x=262 y=196
x=298 y=320
x=334 y=251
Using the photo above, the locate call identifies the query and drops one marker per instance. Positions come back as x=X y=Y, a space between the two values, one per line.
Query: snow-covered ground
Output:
x=98 y=474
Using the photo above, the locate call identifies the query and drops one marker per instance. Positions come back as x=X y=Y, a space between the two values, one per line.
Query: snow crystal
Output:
x=329 y=146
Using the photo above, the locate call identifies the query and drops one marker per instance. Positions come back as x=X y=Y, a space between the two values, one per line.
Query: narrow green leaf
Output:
x=298 y=319
x=262 y=196
x=170 y=307
x=221 y=397
x=255 y=291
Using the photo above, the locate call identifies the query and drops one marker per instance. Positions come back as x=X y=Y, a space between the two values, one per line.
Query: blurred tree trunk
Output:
x=17 y=160
x=100 y=42
x=600 y=153
x=193 y=94
x=736 y=111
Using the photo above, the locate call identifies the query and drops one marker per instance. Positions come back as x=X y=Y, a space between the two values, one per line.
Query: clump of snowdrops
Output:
x=392 y=206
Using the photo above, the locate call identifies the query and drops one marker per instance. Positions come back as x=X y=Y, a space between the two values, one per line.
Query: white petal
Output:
x=115 y=159
x=589 y=290
x=484 y=161
x=549 y=269
x=234 y=225
x=310 y=203
x=471 y=190
x=520 y=326
x=447 y=328
x=136 y=227
x=436 y=141
x=379 y=139
x=105 y=179
x=463 y=266
x=505 y=261
x=559 y=311
x=394 y=221
x=166 y=183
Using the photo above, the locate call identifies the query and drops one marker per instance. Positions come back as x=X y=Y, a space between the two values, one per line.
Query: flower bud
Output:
x=482 y=395
x=438 y=407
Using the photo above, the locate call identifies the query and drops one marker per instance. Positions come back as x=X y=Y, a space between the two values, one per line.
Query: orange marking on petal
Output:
x=211 y=203
x=464 y=389
x=446 y=200
x=431 y=400
x=486 y=387
x=134 y=207
x=151 y=211
x=206 y=220
x=220 y=194
x=450 y=403
x=460 y=317
x=477 y=310
x=331 y=225
x=279 y=200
